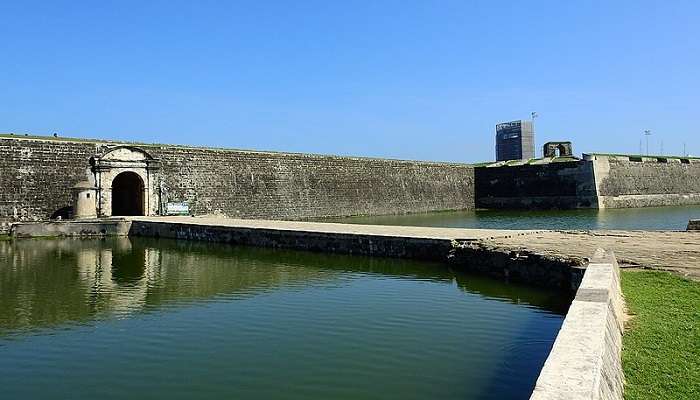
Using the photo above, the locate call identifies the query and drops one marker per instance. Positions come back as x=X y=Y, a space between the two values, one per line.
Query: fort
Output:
x=46 y=177
x=40 y=177
x=596 y=181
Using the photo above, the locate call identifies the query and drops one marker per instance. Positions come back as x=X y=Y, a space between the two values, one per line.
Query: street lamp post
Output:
x=534 y=115
x=647 y=133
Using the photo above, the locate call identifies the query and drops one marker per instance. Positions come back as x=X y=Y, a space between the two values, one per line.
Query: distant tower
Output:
x=515 y=140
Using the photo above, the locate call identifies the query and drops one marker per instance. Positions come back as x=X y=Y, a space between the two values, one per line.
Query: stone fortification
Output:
x=37 y=176
x=638 y=181
x=41 y=178
x=559 y=184
x=597 y=181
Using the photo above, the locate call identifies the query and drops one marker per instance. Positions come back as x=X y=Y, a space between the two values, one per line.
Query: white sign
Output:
x=177 y=209
x=509 y=125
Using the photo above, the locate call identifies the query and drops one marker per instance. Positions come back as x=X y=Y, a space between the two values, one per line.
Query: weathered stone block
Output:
x=36 y=177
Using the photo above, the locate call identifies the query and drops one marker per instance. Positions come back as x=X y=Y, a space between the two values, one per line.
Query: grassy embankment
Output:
x=661 y=346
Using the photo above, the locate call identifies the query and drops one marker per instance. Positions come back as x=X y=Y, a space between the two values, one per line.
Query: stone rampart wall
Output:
x=560 y=185
x=36 y=176
x=628 y=181
x=293 y=186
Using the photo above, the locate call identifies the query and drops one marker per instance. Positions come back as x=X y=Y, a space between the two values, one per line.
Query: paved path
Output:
x=672 y=251
x=353 y=229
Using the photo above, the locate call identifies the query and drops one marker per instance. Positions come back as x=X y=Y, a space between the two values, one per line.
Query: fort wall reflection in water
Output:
x=48 y=282
x=148 y=318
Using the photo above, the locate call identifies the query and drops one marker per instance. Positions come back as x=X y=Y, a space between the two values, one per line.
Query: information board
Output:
x=177 y=209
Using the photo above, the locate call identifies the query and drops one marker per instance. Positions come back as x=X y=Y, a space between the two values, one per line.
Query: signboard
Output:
x=509 y=130
x=177 y=208
x=509 y=125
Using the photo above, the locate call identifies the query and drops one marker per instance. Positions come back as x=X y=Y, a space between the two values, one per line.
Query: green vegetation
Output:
x=661 y=346
x=531 y=161
x=4 y=237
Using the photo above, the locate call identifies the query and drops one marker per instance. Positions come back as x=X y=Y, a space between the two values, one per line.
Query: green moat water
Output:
x=157 y=319
x=652 y=218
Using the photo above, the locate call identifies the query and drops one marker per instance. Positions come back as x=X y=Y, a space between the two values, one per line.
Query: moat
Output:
x=652 y=218
x=147 y=318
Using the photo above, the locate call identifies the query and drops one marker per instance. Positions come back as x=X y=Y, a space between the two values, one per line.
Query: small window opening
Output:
x=87 y=195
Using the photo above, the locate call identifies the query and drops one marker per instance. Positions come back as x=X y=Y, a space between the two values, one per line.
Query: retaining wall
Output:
x=469 y=255
x=636 y=181
x=328 y=242
x=543 y=270
x=585 y=362
x=597 y=181
x=36 y=176
x=560 y=185
x=71 y=228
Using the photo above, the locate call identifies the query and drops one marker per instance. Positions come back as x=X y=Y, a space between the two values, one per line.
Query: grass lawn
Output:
x=661 y=346
x=4 y=237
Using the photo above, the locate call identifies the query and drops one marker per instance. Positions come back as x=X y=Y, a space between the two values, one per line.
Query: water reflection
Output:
x=45 y=283
x=166 y=319
x=652 y=218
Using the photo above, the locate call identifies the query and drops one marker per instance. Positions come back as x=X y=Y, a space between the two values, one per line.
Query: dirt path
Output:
x=672 y=251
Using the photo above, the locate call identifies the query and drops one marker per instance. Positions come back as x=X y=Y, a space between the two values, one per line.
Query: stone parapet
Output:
x=82 y=228
x=585 y=362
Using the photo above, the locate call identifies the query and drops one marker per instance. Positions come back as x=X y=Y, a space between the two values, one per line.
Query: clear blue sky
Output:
x=417 y=80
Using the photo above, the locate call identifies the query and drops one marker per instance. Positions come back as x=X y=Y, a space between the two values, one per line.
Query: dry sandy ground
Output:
x=672 y=251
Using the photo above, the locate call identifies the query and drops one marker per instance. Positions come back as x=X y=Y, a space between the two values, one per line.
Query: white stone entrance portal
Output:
x=127 y=182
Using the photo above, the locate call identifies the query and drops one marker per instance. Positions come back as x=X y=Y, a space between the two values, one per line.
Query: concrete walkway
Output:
x=672 y=251
x=352 y=229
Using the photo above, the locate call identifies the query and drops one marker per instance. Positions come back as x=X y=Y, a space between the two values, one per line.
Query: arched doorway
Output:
x=127 y=194
x=561 y=149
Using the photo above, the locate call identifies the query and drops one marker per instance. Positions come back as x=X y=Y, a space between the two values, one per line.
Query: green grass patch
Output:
x=661 y=347
x=4 y=237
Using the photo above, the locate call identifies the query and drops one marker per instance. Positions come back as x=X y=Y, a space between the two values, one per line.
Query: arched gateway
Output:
x=127 y=182
x=127 y=194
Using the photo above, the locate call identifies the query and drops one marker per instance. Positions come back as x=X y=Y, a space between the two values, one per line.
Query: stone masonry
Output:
x=37 y=174
x=628 y=181
x=597 y=181
x=556 y=185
